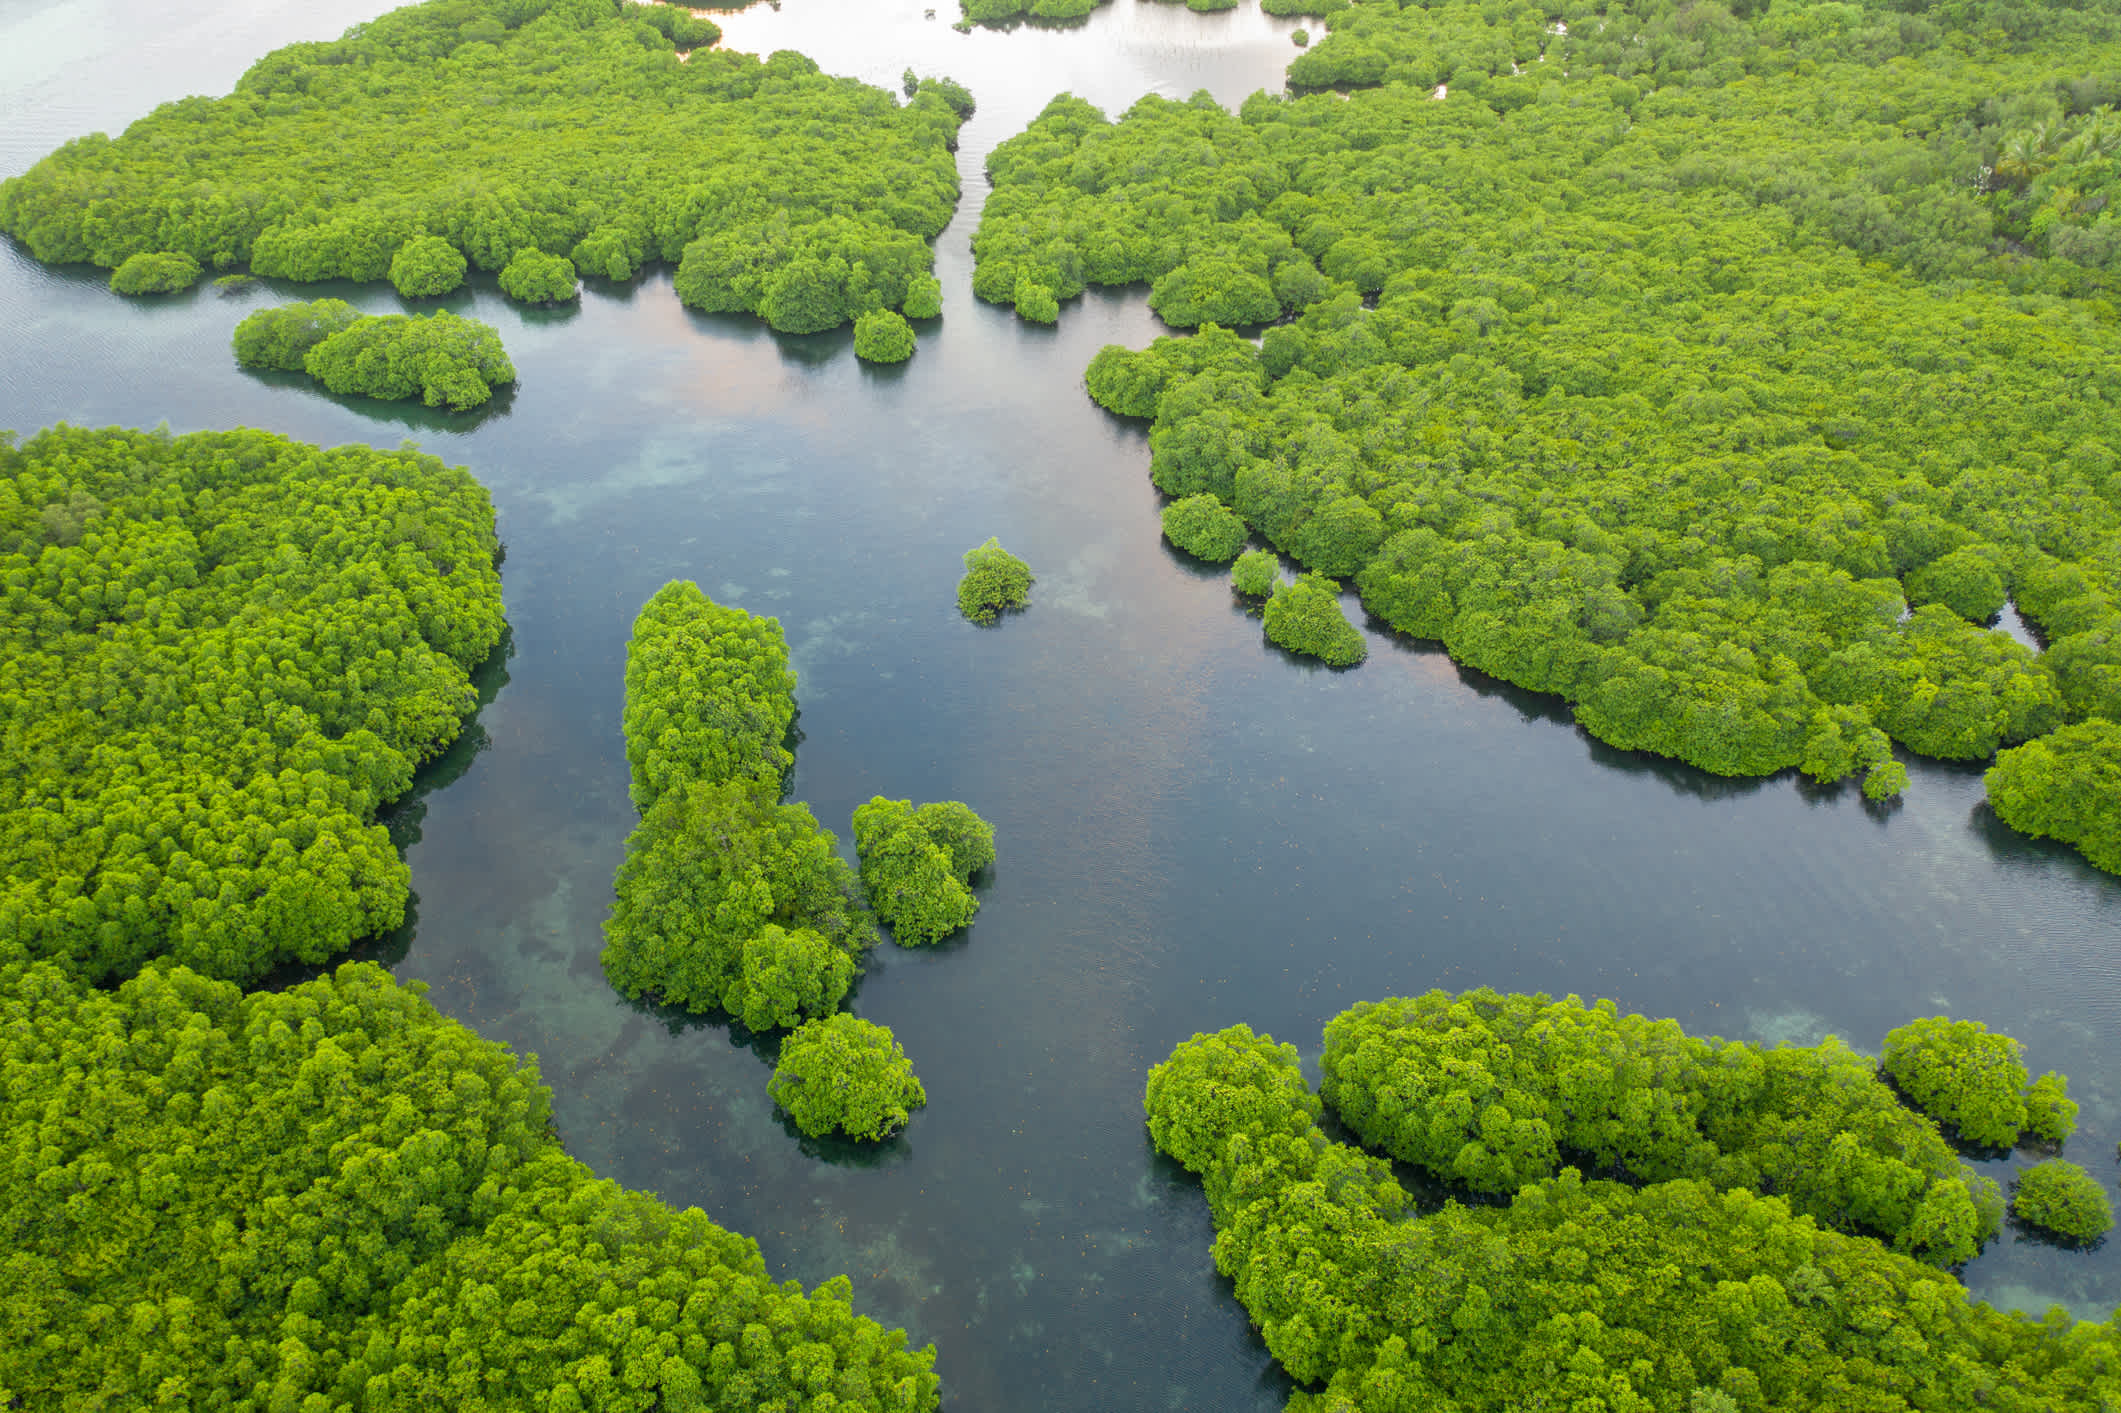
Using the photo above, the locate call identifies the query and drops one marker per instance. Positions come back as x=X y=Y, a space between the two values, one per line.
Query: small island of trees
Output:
x=845 y=1075
x=917 y=865
x=995 y=582
x=442 y=360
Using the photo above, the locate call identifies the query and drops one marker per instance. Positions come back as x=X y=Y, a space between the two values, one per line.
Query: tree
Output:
x=281 y=338
x=995 y=582
x=1961 y=1075
x=1256 y=573
x=427 y=266
x=533 y=277
x=924 y=297
x=846 y=1075
x=443 y=360
x=1035 y=303
x=917 y=865
x=1304 y=616
x=881 y=336
x=1205 y=528
x=155 y=272
x=2062 y=1198
x=2065 y=786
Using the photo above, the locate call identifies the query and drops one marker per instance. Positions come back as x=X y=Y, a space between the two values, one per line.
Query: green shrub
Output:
x=338 y=1155
x=848 y=1075
x=995 y=581
x=2062 y=1198
x=533 y=277
x=679 y=25
x=1300 y=37
x=881 y=336
x=1964 y=581
x=1205 y=528
x=709 y=696
x=2050 y=1114
x=1035 y=302
x=2066 y=786
x=1256 y=573
x=1304 y=616
x=917 y=865
x=439 y=358
x=924 y=297
x=224 y=651
x=155 y=272
x=1962 y=1076
x=281 y=338
x=427 y=266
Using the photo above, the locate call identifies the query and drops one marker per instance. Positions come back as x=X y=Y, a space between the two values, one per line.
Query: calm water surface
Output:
x=1193 y=829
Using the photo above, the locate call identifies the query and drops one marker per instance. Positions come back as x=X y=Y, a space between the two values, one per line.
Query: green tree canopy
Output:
x=917 y=865
x=533 y=277
x=566 y=127
x=2062 y=1198
x=333 y=1197
x=1256 y=573
x=1975 y=1083
x=995 y=582
x=1204 y=527
x=155 y=272
x=439 y=358
x=709 y=695
x=2066 y=786
x=882 y=336
x=427 y=266
x=846 y=1075
x=1304 y=616
x=220 y=653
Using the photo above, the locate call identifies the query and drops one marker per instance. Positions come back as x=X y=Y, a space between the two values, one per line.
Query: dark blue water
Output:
x=1193 y=829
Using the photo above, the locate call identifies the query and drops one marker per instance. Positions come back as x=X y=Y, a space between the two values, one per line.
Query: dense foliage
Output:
x=332 y=1198
x=995 y=582
x=883 y=336
x=443 y=360
x=846 y=1075
x=220 y=653
x=155 y=272
x=427 y=266
x=568 y=127
x=1002 y=12
x=1575 y=1294
x=1666 y=364
x=1975 y=1084
x=1256 y=573
x=1205 y=528
x=2066 y=786
x=1304 y=616
x=917 y=865
x=534 y=277
x=2062 y=1198
x=727 y=899
x=1496 y=1091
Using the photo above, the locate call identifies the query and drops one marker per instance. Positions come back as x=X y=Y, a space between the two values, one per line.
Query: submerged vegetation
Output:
x=995 y=582
x=1720 y=374
x=525 y=135
x=1653 y=1288
x=727 y=900
x=221 y=653
x=846 y=1075
x=917 y=865
x=332 y=1197
x=438 y=358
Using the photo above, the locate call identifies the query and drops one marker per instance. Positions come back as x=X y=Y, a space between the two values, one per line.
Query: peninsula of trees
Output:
x=1721 y=371
x=1747 y=1238
x=442 y=360
x=221 y=652
x=531 y=138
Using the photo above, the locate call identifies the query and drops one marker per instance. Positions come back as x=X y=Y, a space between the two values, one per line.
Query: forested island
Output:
x=442 y=360
x=533 y=139
x=1683 y=1223
x=1723 y=372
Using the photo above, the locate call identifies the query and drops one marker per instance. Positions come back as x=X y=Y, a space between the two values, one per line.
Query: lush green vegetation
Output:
x=995 y=583
x=220 y=653
x=1493 y=1092
x=1975 y=1084
x=1256 y=573
x=1573 y=1293
x=1718 y=372
x=1004 y=12
x=331 y=1197
x=917 y=865
x=566 y=127
x=2066 y=786
x=427 y=266
x=1304 y=616
x=443 y=360
x=155 y=272
x=2064 y=1199
x=1205 y=528
x=727 y=900
x=534 y=277
x=883 y=336
x=845 y=1075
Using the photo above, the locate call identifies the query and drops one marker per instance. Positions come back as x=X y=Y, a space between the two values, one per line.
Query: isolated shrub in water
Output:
x=994 y=580
x=2062 y=1198
x=846 y=1074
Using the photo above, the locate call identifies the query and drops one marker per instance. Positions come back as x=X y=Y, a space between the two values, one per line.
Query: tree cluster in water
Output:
x=523 y=135
x=1722 y=375
x=333 y=1197
x=443 y=360
x=1713 y=1263
x=221 y=652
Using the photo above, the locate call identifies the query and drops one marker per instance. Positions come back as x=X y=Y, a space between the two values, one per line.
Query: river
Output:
x=1193 y=828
